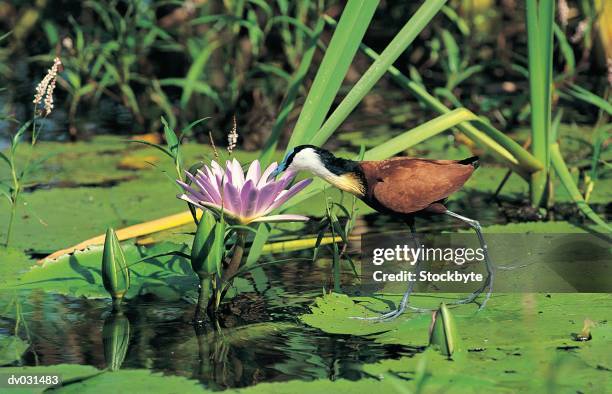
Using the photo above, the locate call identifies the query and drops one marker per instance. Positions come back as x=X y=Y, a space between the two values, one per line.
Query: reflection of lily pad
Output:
x=11 y=349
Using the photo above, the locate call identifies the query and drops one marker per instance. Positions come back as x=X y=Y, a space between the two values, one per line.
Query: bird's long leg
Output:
x=404 y=303
x=488 y=283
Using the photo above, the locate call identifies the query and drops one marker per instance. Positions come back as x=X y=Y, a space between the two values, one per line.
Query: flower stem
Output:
x=232 y=268
x=234 y=264
x=14 y=197
x=203 y=299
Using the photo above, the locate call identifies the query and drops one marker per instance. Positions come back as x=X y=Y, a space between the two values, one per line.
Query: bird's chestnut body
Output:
x=409 y=186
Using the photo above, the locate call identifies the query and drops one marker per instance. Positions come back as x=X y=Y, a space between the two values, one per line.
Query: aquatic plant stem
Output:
x=203 y=299
x=10 y=223
x=234 y=263
x=14 y=198
x=539 y=20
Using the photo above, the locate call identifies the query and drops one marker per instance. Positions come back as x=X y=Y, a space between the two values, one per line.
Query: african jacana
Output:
x=403 y=186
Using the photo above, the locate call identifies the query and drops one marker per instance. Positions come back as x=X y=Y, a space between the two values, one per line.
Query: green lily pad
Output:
x=340 y=386
x=134 y=381
x=508 y=346
x=87 y=379
x=336 y=313
x=11 y=349
x=79 y=274
x=12 y=262
x=559 y=227
x=67 y=372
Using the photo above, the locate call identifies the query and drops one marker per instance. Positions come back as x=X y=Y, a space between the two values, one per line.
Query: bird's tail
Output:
x=473 y=161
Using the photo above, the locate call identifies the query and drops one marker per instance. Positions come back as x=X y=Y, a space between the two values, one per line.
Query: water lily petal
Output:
x=284 y=196
x=237 y=175
x=254 y=172
x=286 y=179
x=231 y=199
x=228 y=216
x=211 y=186
x=189 y=199
x=217 y=169
x=264 y=177
x=202 y=189
x=282 y=218
x=191 y=192
x=248 y=197
x=266 y=196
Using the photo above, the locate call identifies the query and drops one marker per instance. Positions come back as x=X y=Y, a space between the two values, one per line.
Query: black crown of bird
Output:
x=404 y=187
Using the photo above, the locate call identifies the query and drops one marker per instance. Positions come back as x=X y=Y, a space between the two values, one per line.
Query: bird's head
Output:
x=304 y=158
x=342 y=173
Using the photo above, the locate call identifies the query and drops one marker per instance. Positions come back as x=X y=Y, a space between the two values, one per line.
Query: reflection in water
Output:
x=258 y=337
x=116 y=338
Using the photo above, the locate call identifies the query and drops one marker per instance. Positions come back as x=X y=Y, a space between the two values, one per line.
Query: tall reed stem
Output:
x=540 y=46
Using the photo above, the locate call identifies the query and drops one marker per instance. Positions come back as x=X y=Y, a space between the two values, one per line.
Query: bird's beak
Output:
x=277 y=171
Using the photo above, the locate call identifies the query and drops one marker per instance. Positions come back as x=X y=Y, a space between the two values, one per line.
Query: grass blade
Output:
x=540 y=46
x=568 y=182
x=342 y=48
x=395 y=48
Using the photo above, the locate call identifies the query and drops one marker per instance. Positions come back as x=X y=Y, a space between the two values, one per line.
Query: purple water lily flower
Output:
x=243 y=198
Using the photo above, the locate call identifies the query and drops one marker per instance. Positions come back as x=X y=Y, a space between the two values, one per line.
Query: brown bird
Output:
x=404 y=187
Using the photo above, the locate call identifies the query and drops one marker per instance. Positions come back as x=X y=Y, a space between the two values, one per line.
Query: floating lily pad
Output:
x=68 y=372
x=340 y=386
x=12 y=262
x=11 y=349
x=87 y=379
x=134 y=381
x=507 y=346
x=79 y=274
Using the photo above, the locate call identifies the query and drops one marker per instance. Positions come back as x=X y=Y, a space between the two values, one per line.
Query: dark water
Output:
x=258 y=338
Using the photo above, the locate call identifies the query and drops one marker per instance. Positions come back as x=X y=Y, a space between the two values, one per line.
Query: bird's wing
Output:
x=407 y=185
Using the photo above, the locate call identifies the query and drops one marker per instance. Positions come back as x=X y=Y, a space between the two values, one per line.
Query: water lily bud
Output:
x=116 y=339
x=443 y=332
x=115 y=273
x=208 y=246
